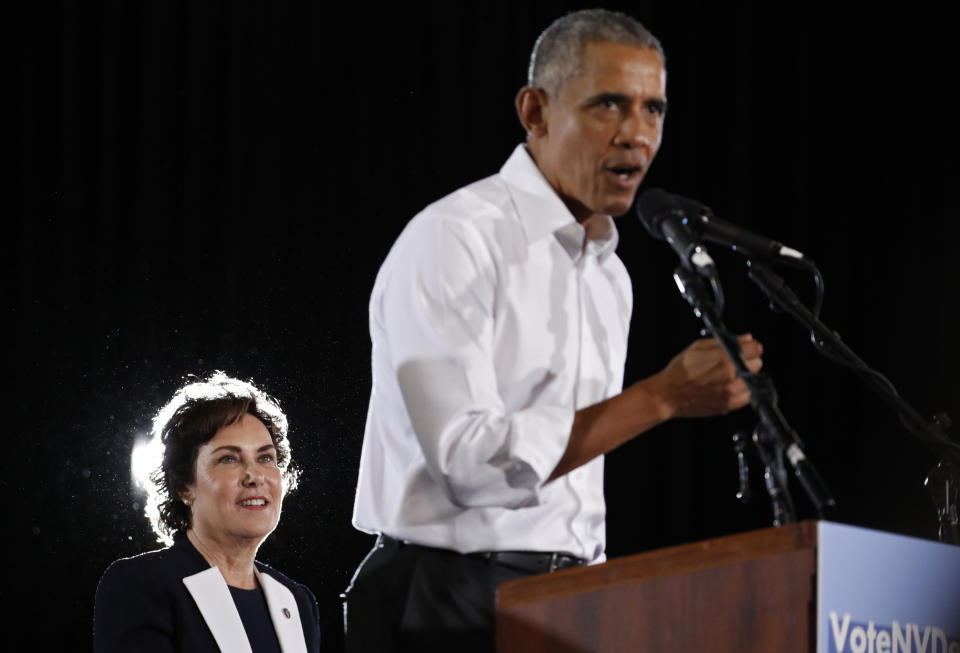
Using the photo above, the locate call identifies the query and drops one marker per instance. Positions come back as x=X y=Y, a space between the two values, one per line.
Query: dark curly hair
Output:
x=192 y=417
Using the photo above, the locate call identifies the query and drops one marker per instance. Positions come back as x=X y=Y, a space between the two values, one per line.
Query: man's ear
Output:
x=531 y=106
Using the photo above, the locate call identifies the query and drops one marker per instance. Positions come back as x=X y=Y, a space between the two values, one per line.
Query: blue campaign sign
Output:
x=884 y=593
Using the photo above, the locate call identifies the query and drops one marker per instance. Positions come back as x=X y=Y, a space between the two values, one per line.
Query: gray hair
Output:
x=559 y=49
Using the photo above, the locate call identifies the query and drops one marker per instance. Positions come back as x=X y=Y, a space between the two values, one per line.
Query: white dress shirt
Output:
x=493 y=319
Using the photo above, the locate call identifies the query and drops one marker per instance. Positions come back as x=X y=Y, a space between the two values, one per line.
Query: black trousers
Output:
x=412 y=598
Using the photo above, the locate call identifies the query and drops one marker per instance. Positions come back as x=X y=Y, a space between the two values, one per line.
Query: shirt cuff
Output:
x=543 y=434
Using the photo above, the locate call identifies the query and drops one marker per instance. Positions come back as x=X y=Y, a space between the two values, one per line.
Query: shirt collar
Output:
x=542 y=212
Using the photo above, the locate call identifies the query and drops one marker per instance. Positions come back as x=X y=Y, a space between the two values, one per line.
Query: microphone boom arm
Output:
x=945 y=476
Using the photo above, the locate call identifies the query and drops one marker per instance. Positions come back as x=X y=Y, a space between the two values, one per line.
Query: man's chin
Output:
x=619 y=209
x=615 y=206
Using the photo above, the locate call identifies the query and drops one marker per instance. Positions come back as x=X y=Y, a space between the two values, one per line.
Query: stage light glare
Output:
x=144 y=458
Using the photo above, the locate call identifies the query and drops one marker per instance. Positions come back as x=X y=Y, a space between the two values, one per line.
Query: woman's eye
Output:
x=266 y=458
x=227 y=459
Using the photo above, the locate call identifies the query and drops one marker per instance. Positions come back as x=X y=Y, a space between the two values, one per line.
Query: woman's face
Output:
x=237 y=489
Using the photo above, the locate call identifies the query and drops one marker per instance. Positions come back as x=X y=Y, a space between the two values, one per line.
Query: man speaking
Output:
x=499 y=324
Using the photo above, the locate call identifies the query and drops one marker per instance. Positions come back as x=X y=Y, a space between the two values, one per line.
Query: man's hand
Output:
x=702 y=381
x=699 y=381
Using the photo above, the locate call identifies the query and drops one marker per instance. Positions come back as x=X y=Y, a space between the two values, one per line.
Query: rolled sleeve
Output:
x=438 y=310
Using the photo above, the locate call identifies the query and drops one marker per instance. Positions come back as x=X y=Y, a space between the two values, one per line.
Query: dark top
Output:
x=252 y=606
x=143 y=605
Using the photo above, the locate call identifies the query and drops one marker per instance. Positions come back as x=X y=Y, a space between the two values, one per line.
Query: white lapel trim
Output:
x=210 y=593
x=288 y=628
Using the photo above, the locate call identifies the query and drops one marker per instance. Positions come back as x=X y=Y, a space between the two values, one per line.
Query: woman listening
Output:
x=216 y=496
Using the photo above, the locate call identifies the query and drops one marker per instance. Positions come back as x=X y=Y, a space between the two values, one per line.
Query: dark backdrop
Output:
x=212 y=185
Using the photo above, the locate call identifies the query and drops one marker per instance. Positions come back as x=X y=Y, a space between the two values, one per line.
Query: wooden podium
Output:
x=742 y=593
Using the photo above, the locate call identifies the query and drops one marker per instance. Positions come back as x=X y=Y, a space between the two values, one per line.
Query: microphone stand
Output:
x=944 y=479
x=773 y=436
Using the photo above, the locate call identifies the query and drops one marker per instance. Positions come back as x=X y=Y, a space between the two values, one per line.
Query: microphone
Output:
x=664 y=216
x=701 y=222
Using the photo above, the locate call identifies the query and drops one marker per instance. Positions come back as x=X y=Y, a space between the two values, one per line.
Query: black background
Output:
x=212 y=185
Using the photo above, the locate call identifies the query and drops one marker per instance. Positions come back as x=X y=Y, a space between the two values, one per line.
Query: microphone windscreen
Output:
x=654 y=206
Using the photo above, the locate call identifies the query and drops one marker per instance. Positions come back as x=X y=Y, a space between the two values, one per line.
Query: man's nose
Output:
x=640 y=129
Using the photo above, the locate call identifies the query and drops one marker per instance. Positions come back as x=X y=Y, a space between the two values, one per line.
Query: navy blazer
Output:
x=173 y=600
